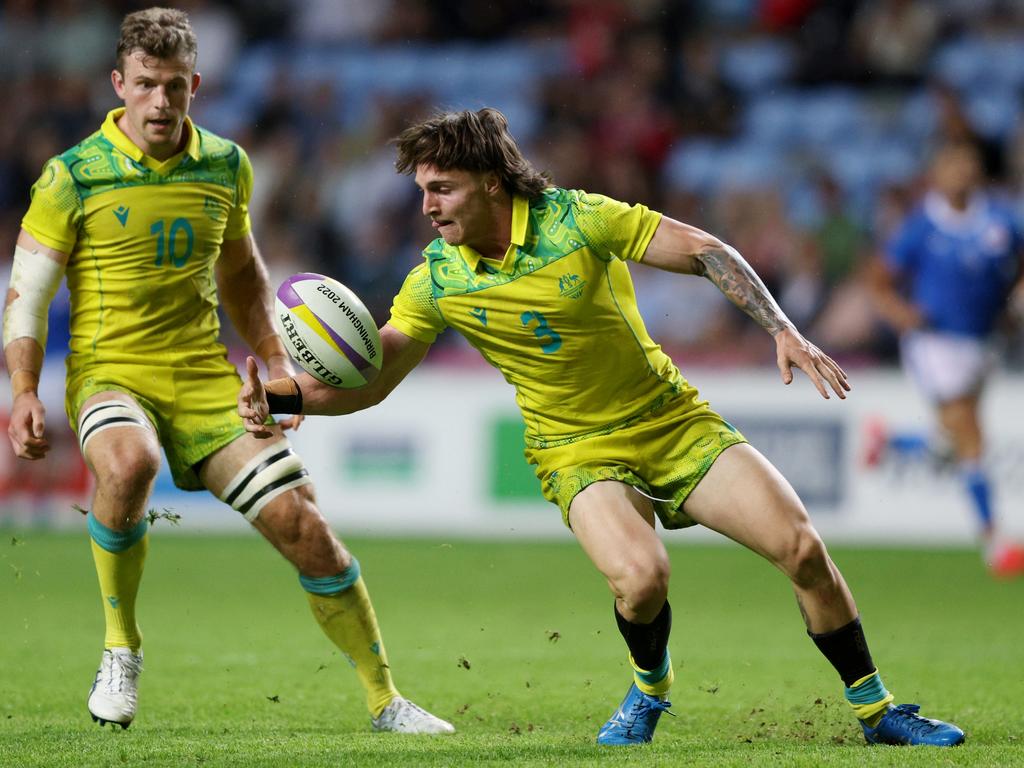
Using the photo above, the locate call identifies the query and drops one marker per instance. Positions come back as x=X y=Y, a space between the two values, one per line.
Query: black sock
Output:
x=647 y=642
x=847 y=651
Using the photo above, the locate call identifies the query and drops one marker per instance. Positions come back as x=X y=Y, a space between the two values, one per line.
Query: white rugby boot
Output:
x=114 y=694
x=402 y=716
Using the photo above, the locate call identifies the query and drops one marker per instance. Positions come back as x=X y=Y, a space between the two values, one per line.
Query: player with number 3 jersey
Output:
x=534 y=277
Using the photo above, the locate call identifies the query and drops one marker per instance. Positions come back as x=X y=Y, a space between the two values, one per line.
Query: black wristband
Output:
x=290 y=403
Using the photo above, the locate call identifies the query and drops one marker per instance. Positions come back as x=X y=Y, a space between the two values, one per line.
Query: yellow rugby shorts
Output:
x=191 y=399
x=664 y=454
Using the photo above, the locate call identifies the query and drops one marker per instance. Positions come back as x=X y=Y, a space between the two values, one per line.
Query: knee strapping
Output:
x=265 y=477
x=108 y=414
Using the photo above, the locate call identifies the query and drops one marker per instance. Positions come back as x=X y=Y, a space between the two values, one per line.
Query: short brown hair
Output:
x=478 y=141
x=162 y=33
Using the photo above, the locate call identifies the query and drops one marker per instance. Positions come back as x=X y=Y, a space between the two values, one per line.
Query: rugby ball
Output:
x=327 y=330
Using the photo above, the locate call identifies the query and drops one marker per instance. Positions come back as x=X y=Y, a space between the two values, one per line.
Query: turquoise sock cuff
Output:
x=656 y=675
x=331 y=585
x=116 y=541
x=870 y=691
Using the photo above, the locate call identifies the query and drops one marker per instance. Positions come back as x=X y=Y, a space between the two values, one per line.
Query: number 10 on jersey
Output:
x=169 y=241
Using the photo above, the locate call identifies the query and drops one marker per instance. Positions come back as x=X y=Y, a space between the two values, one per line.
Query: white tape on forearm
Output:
x=35 y=279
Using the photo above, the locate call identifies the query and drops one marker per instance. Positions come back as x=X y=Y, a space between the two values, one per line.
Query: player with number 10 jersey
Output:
x=125 y=219
x=143 y=237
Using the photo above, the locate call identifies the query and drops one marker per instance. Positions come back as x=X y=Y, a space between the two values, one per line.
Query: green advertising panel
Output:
x=511 y=478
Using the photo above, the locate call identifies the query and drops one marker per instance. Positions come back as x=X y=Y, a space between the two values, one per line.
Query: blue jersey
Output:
x=958 y=267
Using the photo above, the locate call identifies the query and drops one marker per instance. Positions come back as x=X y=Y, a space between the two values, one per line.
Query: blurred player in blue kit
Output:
x=534 y=277
x=943 y=283
x=148 y=218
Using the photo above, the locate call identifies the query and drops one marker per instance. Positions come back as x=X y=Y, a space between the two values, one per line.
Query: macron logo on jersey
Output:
x=480 y=313
x=121 y=213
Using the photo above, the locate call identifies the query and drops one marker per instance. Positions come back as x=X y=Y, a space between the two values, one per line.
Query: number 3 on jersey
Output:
x=549 y=339
x=170 y=245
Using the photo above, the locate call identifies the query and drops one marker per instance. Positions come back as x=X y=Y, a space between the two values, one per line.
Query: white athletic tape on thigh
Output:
x=35 y=279
x=266 y=476
x=106 y=415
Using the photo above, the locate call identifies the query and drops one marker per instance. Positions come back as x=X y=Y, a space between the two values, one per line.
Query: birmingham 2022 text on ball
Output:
x=328 y=330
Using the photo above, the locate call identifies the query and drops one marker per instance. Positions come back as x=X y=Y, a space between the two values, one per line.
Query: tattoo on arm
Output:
x=724 y=267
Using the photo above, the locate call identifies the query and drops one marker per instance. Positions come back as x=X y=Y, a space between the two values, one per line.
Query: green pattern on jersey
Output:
x=554 y=237
x=97 y=166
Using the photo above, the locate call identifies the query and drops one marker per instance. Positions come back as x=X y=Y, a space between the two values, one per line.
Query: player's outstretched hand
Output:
x=793 y=349
x=27 y=428
x=252 y=401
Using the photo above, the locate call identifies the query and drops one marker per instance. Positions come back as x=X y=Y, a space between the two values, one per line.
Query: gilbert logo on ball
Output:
x=327 y=330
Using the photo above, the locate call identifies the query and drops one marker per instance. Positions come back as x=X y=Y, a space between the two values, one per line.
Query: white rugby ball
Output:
x=327 y=330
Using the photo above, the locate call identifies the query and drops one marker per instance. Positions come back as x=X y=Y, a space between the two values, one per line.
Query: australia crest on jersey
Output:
x=571 y=286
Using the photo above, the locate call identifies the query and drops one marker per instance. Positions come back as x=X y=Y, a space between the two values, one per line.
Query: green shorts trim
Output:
x=192 y=405
x=664 y=455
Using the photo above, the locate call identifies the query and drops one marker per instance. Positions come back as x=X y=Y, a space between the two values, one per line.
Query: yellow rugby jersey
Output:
x=557 y=317
x=142 y=238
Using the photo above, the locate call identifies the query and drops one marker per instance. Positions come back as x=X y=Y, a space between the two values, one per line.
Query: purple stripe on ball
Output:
x=358 y=361
x=286 y=293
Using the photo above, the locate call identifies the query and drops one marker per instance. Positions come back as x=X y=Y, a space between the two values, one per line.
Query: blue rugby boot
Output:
x=902 y=725
x=635 y=719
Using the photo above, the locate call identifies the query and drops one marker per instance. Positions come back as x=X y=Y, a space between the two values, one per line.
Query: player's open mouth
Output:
x=438 y=224
x=161 y=124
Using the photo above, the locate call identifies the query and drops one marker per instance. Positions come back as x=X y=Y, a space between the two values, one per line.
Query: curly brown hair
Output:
x=162 y=33
x=478 y=141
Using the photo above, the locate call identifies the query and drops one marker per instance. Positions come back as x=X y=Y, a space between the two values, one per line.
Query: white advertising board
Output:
x=443 y=456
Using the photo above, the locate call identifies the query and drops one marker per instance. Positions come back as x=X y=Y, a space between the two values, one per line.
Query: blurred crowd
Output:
x=797 y=130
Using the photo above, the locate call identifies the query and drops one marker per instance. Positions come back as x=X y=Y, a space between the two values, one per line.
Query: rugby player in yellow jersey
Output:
x=148 y=218
x=535 y=278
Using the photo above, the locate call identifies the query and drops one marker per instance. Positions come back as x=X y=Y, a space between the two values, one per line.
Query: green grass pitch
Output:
x=514 y=642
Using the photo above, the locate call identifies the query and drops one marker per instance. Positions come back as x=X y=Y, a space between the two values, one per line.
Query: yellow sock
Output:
x=119 y=557
x=348 y=619
x=655 y=682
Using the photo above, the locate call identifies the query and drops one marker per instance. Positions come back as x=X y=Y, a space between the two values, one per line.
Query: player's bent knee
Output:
x=127 y=474
x=643 y=583
x=140 y=459
x=266 y=476
x=808 y=562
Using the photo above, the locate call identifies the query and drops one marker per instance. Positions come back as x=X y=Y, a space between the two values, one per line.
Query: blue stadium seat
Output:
x=994 y=111
x=693 y=165
x=833 y=115
x=918 y=116
x=757 y=64
x=774 y=118
x=976 y=62
x=962 y=63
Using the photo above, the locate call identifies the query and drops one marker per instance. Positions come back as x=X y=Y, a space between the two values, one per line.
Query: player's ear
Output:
x=492 y=183
x=117 y=80
x=196 y=79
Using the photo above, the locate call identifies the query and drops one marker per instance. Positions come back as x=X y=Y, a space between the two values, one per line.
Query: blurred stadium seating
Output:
x=795 y=129
x=681 y=105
